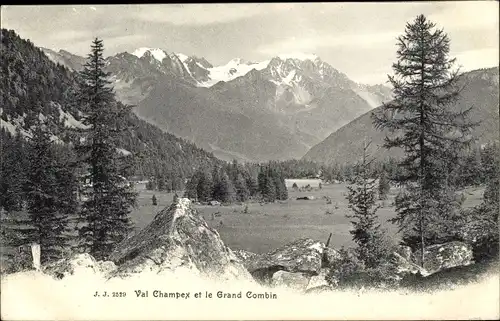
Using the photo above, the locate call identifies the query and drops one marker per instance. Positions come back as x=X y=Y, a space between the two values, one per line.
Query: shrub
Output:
x=344 y=272
x=351 y=273
x=480 y=229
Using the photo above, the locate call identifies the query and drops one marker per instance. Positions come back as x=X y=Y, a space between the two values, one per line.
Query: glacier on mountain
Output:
x=157 y=53
x=233 y=69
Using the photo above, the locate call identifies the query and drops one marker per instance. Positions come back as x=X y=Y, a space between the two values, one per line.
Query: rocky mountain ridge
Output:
x=291 y=102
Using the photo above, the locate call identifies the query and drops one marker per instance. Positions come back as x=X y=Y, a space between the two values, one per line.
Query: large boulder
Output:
x=79 y=264
x=246 y=257
x=403 y=267
x=318 y=281
x=178 y=238
x=331 y=257
x=447 y=255
x=303 y=256
x=297 y=281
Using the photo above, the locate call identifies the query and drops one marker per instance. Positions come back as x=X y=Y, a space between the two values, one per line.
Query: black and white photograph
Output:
x=250 y=161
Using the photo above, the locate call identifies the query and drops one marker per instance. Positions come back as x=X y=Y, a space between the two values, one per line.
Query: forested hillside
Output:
x=480 y=91
x=33 y=87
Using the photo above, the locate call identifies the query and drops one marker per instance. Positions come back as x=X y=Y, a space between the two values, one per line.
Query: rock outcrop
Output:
x=319 y=281
x=246 y=257
x=178 y=238
x=403 y=267
x=303 y=255
x=297 y=281
x=306 y=265
x=78 y=264
x=447 y=255
x=331 y=257
x=298 y=265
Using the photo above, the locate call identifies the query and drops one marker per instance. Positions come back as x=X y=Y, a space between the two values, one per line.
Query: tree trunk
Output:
x=422 y=243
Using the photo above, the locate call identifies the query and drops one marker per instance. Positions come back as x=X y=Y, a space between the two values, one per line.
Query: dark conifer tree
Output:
x=13 y=169
x=252 y=184
x=269 y=192
x=150 y=185
x=366 y=232
x=67 y=181
x=224 y=189
x=482 y=226
x=279 y=183
x=262 y=181
x=206 y=182
x=160 y=183
x=106 y=211
x=50 y=196
x=242 y=191
x=424 y=126
x=191 y=191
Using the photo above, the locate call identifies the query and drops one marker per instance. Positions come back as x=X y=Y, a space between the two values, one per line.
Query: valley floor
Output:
x=268 y=226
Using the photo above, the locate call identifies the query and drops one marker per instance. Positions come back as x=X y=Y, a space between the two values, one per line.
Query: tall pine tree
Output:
x=224 y=189
x=242 y=191
x=108 y=200
x=422 y=124
x=206 y=182
x=191 y=191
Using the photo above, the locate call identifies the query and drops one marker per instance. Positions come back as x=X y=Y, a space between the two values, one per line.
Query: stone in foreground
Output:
x=447 y=255
x=318 y=281
x=303 y=255
x=297 y=281
x=246 y=257
x=78 y=264
x=331 y=257
x=178 y=238
x=404 y=267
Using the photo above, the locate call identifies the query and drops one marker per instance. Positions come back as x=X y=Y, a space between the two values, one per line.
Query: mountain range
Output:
x=32 y=86
x=480 y=91
x=252 y=111
x=290 y=106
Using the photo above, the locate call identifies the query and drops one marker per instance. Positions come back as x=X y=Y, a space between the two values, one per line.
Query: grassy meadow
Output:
x=268 y=226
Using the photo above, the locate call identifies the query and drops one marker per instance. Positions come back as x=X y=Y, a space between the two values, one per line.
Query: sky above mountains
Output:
x=359 y=39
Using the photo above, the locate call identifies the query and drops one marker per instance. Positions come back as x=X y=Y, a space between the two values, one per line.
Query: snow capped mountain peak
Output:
x=235 y=68
x=157 y=53
x=299 y=56
x=182 y=56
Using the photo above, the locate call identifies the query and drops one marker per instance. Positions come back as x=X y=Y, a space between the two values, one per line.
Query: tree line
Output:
x=235 y=182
